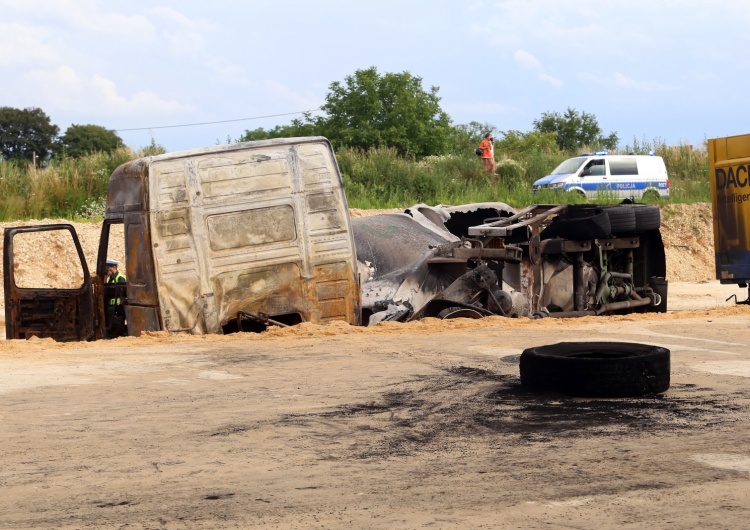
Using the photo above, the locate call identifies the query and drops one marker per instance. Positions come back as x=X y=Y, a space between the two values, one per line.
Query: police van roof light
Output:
x=601 y=153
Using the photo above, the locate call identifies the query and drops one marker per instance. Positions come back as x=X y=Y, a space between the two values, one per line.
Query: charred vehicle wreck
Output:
x=245 y=236
x=488 y=259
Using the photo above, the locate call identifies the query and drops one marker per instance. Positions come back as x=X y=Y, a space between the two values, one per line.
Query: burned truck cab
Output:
x=216 y=240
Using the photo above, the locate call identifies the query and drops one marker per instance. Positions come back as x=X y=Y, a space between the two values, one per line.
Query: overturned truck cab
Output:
x=246 y=236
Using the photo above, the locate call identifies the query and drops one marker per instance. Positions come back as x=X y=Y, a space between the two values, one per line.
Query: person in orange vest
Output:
x=488 y=155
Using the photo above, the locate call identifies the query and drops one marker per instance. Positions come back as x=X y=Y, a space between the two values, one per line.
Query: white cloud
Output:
x=63 y=91
x=620 y=80
x=185 y=36
x=22 y=45
x=141 y=102
x=529 y=62
x=300 y=101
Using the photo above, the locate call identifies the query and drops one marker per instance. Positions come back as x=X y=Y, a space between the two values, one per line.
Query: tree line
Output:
x=368 y=110
x=29 y=134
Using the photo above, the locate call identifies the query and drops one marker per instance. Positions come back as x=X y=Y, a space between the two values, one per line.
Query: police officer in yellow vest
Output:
x=114 y=311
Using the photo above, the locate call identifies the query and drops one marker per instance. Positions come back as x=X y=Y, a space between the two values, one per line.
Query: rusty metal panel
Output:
x=142 y=319
x=63 y=312
x=127 y=189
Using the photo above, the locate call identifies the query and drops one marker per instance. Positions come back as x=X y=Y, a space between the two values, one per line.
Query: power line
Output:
x=214 y=122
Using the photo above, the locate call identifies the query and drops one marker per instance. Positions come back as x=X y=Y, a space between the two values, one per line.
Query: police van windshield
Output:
x=569 y=166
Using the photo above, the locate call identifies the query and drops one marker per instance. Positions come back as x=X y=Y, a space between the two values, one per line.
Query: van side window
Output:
x=623 y=166
x=595 y=168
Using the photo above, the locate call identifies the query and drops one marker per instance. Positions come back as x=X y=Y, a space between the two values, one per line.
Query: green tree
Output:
x=391 y=110
x=575 y=130
x=523 y=143
x=26 y=133
x=466 y=136
x=297 y=128
x=81 y=140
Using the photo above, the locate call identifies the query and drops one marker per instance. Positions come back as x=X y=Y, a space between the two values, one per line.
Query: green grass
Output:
x=76 y=188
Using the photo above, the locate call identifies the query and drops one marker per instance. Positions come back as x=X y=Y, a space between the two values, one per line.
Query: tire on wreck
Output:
x=596 y=369
x=579 y=224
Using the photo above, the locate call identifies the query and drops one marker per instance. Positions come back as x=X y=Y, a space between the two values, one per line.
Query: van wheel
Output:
x=651 y=196
x=578 y=197
x=596 y=369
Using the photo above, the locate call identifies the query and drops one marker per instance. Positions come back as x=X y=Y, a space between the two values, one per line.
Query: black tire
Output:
x=579 y=224
x=646 y=217
x=596 y=369
x=458 y=312
x=621 y=219
x=660 y=287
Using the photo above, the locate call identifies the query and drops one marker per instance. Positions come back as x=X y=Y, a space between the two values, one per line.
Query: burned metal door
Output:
x=48 y=290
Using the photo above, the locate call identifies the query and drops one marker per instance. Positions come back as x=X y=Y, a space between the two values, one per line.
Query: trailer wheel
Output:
x=646 y=217
x=459 y=312
x=621 y=219
x=579 y=224
x=596 y=369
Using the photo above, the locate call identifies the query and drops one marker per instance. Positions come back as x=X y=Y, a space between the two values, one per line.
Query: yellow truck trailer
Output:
x=729 y=160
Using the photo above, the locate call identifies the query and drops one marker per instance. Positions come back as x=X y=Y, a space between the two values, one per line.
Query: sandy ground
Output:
x=400 y=426
x=420 y=425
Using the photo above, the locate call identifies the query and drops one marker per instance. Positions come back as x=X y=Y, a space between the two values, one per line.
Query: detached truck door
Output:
x=48 y=292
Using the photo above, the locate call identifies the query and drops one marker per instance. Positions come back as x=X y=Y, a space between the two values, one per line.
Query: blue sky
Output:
x=676 y=71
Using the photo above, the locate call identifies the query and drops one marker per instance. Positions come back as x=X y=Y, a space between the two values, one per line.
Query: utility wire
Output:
x=214 y=122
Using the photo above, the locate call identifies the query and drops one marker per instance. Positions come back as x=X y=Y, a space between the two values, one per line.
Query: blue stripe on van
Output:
x=618 y=186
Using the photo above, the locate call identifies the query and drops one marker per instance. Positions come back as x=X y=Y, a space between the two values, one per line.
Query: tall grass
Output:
x=379 y=178
x=60 y=190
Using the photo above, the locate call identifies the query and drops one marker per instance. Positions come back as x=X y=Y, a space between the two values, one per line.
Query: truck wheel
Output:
x=646 y=217
x=596 y=369
x=579 y=224
x=621 y=219
x=458 y=312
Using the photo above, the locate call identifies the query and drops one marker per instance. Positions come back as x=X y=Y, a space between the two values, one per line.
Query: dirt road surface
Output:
x=400 y=426
x=421 y=425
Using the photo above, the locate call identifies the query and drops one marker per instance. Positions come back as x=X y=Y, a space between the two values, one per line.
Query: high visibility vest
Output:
x=117 y=278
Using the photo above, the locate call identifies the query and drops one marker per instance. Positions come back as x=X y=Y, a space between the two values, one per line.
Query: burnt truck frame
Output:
x=257 y=234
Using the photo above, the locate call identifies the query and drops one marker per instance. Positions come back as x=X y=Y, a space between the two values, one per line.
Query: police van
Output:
x=620 y=176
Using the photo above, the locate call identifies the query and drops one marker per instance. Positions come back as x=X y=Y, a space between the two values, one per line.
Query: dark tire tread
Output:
x=596 y=369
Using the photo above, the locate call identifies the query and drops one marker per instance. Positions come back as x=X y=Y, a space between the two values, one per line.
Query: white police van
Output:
x=622 y=176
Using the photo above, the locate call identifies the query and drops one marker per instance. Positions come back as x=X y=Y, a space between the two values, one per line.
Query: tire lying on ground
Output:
x=596 y=369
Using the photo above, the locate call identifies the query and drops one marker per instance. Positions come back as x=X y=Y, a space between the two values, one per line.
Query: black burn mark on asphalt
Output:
x=466 y=401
